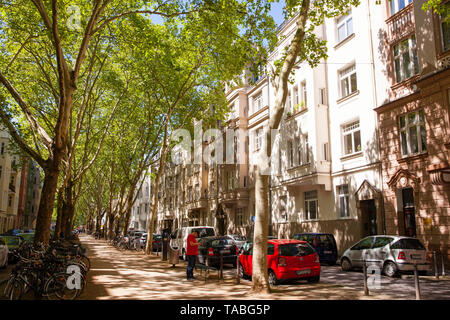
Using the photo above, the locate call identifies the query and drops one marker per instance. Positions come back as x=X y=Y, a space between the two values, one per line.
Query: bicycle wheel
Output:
x=14 y=289
x=85 y=260
x=56 y=288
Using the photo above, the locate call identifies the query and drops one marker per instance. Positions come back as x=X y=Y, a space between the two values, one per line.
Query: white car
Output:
x=179 y=237
x=392 y=254
x=3 y=254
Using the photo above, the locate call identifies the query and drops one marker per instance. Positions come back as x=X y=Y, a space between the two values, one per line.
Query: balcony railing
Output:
x=401 y=24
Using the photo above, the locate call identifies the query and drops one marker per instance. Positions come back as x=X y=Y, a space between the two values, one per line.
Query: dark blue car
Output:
x=323 y=243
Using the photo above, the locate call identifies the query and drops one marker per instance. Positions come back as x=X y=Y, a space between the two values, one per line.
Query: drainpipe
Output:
x=375 y=102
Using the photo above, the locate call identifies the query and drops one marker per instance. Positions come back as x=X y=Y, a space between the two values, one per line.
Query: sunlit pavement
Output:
x=119 y=275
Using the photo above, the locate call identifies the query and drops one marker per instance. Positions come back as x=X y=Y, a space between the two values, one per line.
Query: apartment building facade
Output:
x=10 y=176
x=334 y=163
x=414 y=125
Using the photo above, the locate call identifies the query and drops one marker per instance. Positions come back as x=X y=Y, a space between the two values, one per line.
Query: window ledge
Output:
x=352 y=156
x=406 y=83
x=340 y=44
x=412 y=157
x=348 y=97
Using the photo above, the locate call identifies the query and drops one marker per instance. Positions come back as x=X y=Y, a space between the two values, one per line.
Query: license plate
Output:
x=225 y=251
x=300 y=272
x=416 y=256
x=327 y=252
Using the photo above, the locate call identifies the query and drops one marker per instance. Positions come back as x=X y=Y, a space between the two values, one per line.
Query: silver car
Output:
x=239 y=240
x=392 y=254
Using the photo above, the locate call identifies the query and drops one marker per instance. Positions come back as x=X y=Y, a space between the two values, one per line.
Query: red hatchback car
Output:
x=286 y=259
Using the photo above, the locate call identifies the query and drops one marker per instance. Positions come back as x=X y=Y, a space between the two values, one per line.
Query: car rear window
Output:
x=408 y=244
x=204 y=232
x=239 y=238
x=222 y=242
x=295 y=249
x=326 y=240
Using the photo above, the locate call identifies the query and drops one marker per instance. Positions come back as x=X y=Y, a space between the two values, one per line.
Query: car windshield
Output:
x=295 y=249
x=204 y=232
x=12 y=241
x=157 y=237
x=305 y=237
x=221 y=242
x=408 y=244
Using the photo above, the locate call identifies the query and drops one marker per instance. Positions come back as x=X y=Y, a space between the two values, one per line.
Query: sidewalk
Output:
x=120 y=275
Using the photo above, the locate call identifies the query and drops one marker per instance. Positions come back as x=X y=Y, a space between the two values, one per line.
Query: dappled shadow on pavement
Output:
x=133 y=275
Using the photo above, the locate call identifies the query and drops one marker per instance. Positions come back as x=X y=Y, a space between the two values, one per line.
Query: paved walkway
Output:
x=133 y=275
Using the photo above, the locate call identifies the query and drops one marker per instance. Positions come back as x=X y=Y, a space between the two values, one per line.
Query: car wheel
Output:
x=273 y=281
x=390 y=269
x=314 y=279
x=346 y=265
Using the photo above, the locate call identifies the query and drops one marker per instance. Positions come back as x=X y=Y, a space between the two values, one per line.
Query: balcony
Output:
x=400 y=24
x=238 y=196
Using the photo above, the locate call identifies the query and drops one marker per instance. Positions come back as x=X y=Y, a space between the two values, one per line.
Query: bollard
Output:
x=366 y=288
x=443 y=265
x=416 y=282
x=436 y=271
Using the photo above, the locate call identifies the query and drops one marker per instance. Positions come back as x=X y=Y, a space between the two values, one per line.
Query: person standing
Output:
x=191 y=254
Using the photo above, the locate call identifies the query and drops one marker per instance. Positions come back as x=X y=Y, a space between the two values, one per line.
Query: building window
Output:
x=299 y=152
x=197 y=191
x=344 y=27
x=2 y=149
x=258 y=138
x=307 y=158
x=311 y=204
x=212 y=191
x=290 y=153
x=190 y=194
x=257 y=102
x=1 y=172
x=343 y=196
x=397 y=5
x=296 y=100
x=283 y=209
x=413 y=138
x=239 y=217
x=347 y=80
x=304 y=95
x=405 y=59
x=351 y=135
x=445 y=27
x=10 y=201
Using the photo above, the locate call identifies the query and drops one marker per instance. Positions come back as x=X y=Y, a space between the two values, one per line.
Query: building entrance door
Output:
x=409 y=212
x=369 y=217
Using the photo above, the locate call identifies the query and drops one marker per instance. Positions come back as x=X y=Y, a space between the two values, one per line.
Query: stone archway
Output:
x=369 y=204
x=405 y=186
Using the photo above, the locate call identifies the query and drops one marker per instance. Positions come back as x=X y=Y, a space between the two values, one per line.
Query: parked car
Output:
x=240 y=240
x=210 y=248
x=392 y=254
x=157 y=242
x=179 y=237
x=143 y=240
x=323 y=243
x=13 y=242
x=286 y=259
x=3 y=254
x=27 y=237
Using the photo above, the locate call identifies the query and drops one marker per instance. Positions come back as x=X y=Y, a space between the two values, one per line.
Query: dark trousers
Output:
x=190 y=267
